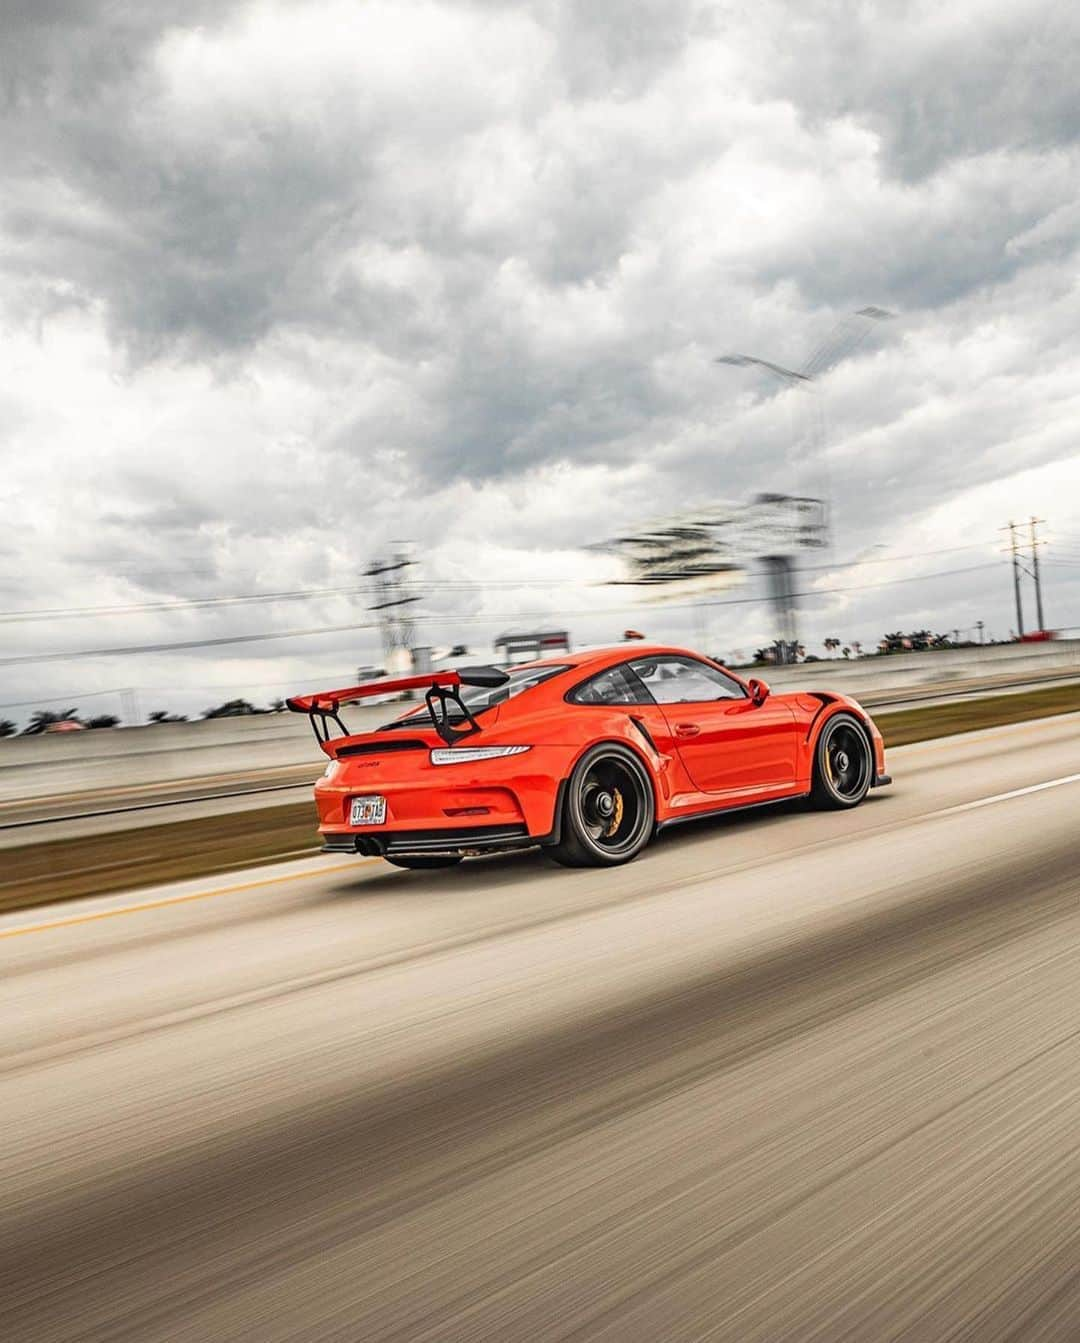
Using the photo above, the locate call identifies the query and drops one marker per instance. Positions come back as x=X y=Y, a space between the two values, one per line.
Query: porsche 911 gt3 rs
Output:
x=586 y=755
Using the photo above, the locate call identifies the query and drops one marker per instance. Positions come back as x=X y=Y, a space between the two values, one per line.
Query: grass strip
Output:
x=66 y=869
x=942 y=720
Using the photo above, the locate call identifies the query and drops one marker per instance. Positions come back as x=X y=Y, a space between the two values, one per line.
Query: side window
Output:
x=672 y=680
x=616 y=685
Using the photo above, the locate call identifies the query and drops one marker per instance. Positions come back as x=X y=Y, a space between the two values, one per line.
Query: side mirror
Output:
x=759 y=691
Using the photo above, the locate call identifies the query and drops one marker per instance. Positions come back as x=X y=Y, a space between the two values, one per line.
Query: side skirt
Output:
x=729 y=810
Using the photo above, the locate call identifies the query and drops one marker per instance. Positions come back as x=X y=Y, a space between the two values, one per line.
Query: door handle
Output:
x=686 y=729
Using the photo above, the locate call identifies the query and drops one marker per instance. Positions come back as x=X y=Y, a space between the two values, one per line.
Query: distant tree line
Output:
x=240 y=708
x=898 y=641
x=59 y=720
x=918 y=641
x=41 y=720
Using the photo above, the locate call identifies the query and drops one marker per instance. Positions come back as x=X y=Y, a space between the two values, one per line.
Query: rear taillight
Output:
x=466 y=755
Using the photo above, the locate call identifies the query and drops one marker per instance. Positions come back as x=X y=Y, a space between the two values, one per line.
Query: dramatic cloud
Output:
x=282 y=284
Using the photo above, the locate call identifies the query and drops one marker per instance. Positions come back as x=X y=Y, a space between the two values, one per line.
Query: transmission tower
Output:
x=393 y=602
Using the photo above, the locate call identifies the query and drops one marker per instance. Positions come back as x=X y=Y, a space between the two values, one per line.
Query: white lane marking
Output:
x=1004 y=797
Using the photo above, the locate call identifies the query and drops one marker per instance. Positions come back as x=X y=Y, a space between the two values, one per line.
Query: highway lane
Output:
x=790 y=1075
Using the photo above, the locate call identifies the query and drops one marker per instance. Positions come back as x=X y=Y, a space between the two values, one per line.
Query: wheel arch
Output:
x=831 y=708
x=840 y=709
x=626 y=744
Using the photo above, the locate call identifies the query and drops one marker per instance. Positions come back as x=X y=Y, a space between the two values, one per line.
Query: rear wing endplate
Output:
x=442 y=690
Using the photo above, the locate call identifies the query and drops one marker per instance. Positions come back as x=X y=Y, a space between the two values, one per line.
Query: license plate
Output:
x=367 y=810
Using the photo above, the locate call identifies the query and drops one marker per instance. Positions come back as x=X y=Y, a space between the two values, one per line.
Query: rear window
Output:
x=476 y=698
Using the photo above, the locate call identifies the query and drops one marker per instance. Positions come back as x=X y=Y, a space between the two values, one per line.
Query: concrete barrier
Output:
x=902 y=671
x=167 y=752
x=122 y=758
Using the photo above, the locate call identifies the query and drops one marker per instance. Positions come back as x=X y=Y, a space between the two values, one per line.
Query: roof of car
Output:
x=611 y=653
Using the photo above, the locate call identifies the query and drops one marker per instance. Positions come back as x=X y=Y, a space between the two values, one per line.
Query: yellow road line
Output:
x=177 y=900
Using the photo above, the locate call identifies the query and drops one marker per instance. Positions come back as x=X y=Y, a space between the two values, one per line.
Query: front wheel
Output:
x=843 y=764
x=608 y=811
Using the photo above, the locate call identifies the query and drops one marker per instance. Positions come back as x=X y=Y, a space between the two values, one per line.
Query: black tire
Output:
x=843 y=764
x=609 y=811
x=425 y=862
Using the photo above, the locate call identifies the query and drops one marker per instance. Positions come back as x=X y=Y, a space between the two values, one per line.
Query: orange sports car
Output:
x=587 y=755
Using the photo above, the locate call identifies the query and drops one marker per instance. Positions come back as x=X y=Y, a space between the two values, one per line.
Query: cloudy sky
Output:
x=284 y=284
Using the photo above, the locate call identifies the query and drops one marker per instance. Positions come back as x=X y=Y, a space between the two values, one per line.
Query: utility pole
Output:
x=1035 y=543
x=1016 y=578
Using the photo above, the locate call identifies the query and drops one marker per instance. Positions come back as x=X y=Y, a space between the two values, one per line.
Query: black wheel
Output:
x=608 y=810
x=425 y=862
x=843 y=764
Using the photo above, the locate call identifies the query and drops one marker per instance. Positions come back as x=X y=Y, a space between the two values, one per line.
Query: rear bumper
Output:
x=465 y=840
x=483 y=796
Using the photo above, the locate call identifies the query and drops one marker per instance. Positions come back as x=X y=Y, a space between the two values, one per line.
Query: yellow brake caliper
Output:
x=616 y=817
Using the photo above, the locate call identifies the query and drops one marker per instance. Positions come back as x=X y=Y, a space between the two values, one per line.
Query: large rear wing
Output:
x=442 y=690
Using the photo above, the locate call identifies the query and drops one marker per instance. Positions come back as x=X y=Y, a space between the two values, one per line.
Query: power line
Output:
x=892 y=559
x=23 y=659
x=180 y=604
x=63 y=699
x=34 y=614
x=867 y=587
x=486 y=618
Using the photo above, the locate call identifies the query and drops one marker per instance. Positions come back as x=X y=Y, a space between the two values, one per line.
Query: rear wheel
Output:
x=425 y=862
x=843 y=764
x=608 y=811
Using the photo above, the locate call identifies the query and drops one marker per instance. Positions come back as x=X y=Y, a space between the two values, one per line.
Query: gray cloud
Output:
x=936 y=86
x=287 y=282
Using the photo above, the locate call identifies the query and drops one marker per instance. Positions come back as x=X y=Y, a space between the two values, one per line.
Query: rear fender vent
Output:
x=824 y=699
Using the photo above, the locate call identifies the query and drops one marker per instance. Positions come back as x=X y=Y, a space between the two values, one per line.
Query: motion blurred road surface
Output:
x=789 y=1076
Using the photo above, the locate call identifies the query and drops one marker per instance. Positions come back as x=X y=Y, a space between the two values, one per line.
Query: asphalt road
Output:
x=789 y=1076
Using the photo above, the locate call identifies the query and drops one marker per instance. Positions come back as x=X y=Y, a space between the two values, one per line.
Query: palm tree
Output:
x=40 y=719
x=233 y=708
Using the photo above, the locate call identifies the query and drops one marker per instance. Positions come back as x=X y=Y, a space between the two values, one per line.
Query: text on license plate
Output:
x=367 y=810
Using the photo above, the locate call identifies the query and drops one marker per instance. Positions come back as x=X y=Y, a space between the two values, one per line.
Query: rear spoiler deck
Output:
x=442 y=689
